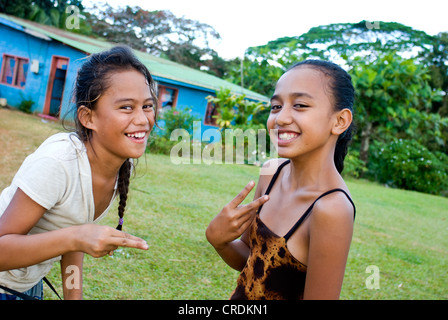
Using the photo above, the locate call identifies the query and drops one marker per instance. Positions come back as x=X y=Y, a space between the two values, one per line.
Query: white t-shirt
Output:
x=58 y=177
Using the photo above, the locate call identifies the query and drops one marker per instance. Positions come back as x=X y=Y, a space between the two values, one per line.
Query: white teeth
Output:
x=287 y=135
x=138 y=135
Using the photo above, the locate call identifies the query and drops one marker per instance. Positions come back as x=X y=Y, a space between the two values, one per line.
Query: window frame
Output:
x=19 y=61
x=208 y=110
x=161 y=90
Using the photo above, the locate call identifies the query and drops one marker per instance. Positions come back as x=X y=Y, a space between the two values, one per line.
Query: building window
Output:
x=14 y=71
x=210 y=113
x=167 y=97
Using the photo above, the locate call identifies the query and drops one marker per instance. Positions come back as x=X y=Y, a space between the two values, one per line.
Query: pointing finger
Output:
x=129 y=241
x=255 y=204
x=248 y=212
x=242 y=195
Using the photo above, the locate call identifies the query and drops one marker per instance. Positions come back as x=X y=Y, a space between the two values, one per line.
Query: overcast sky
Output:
x=246 y=23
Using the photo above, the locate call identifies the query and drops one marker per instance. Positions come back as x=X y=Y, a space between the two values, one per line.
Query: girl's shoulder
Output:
x=271 y=166
x=54 y=171
x=267 y=172
x=59 y=155
x=63 y=146
x=335 y=208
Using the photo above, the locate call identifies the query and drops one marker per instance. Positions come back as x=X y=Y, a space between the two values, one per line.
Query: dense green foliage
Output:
x=169 y=120
x=409 y=165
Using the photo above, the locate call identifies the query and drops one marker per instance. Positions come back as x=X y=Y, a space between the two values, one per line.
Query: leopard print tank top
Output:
x=271 y=271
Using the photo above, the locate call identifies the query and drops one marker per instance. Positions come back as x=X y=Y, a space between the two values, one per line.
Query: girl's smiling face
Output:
x=123 y=116
x=302 y=114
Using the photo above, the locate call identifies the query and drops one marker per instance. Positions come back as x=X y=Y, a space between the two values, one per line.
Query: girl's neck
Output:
x=312 y=173
x=102 y=164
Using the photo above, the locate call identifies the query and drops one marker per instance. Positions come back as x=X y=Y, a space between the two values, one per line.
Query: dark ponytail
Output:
x=91 y=82
x=343 y=98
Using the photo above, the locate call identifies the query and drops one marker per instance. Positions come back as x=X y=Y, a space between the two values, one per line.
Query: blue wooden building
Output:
x=40 y=63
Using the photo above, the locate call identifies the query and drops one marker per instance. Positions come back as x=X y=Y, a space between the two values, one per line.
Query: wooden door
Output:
x=56 y=85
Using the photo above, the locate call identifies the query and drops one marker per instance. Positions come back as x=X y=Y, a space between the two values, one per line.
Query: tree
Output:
x=255 y=74
x=55 y=13
x=157 y=32
x=344 y=41
x=387 y=93
x=236 y=111
x=339 y=42
x=18 y=8
x=436 y=60
x=237 y=119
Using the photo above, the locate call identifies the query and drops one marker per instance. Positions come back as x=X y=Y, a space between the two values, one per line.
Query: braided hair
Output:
x=91 y=82
x=123 y=187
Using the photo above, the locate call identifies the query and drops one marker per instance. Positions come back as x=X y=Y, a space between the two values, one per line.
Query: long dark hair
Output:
x=343 y=93
x=91 y=82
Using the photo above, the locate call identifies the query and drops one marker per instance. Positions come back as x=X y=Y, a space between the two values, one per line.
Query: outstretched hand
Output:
x=98 y=241
x=234 y=218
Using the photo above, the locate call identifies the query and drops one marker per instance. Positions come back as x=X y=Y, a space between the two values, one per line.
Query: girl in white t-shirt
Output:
x=48 y=212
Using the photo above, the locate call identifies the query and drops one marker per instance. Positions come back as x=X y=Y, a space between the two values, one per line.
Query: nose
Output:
x=284 y=117
x=141 y=117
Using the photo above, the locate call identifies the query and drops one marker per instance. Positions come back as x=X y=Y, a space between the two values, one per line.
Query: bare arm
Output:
x=71 y=273
x=331 y=229
x=18 y=249
x=232 y=222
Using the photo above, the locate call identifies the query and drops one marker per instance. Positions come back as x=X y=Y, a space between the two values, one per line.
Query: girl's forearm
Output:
x=17 y=251
x=234 y=253
x=71 y=273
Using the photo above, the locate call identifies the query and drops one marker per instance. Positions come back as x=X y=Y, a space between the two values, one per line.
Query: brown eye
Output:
x=301 y=106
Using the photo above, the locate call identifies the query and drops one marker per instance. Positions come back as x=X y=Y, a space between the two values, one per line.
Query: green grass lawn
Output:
x=402 y=233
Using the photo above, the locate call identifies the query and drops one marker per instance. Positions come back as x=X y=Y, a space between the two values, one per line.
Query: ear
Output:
x=85 y=117
x=343 y=120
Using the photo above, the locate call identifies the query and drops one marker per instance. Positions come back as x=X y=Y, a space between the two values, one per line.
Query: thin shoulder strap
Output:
x=21 y=295
x=24 y=296
x=274 y=178
x=308 y=211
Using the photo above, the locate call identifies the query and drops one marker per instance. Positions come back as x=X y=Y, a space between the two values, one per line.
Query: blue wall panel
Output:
x=21 y=44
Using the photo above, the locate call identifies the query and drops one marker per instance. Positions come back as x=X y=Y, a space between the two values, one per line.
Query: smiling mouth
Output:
x=285 y=136
x=140 y=135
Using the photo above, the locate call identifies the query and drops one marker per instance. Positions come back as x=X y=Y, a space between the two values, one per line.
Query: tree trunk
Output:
x=365 y=142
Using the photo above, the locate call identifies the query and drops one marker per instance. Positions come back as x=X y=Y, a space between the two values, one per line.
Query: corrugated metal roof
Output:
x=158 y=67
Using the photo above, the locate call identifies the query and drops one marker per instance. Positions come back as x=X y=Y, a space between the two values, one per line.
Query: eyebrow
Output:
x=131 y=99
x=293 y=95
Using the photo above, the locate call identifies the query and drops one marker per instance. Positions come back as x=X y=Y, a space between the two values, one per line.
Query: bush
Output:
x=170 y=120
x=26 y=105
x=409 y=165
x=353 y=165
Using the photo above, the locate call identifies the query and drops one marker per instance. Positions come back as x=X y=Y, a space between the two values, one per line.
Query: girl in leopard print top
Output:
x=295 y=246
